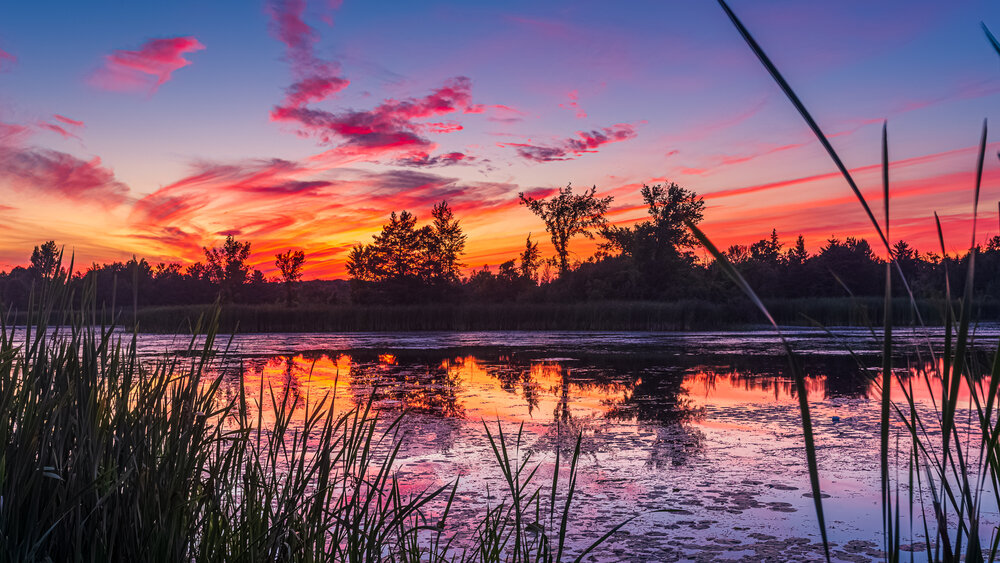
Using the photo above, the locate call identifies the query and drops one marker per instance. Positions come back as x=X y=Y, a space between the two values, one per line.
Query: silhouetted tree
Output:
x=227 y=267
x=45 y=260
x=290 y=264
x=530 y=260
x=446 y=245
x=566 y=215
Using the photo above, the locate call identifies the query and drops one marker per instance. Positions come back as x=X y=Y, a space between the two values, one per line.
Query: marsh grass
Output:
x=107 y=457
x=956 y=474
x=603 y=316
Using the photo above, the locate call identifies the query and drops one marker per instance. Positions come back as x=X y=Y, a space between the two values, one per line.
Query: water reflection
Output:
x=662 y=399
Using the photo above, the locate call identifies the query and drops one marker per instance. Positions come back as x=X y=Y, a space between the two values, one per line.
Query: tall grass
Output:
x=605 y=316
x=958 y=472
x=107 y=457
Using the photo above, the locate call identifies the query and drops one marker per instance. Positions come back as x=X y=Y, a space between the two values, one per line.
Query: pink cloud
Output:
x=12 y=134
x=569 y=149
x=67 y=120
x=573 y=105
x=422 y=159
x=57 y=129
x=7 y=61
x=147 y=68
x=316 y=79
x=390 y=126
x=61 y=174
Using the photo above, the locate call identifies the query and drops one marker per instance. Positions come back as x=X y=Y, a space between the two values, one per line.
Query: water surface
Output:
x=702 y=426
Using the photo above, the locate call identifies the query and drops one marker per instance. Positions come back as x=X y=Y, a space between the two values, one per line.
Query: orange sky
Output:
x=159 y=132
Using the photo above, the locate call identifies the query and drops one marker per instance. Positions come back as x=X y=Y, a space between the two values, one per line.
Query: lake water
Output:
x=704 y=425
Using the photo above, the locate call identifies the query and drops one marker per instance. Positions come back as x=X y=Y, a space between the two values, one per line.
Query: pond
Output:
x=703 y=427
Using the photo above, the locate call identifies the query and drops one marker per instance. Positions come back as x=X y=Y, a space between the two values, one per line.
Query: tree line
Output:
x=651 y=259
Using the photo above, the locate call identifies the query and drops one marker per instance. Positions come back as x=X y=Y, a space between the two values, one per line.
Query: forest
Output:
x=652 y=260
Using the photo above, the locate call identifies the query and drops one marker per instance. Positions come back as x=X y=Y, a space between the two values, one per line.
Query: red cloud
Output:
x=584 y=142
x=61 y=174
x=6 y=60
x=67 y=120
x=57 y=129
x=423 y=159
x=12 y=134
x=147 y=68
x=389 y=126
x=317 y=79
x=573 y=105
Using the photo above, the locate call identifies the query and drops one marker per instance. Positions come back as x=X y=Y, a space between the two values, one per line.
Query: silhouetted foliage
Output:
x=45 y=260
x=290 y=264
x=566 y=215
x=405 y=263
x=651 y=260
x=227 y=267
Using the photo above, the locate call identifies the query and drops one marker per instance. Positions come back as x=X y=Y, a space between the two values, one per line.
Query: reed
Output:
x=107 y=457
x=602 y=315
x=952 y=462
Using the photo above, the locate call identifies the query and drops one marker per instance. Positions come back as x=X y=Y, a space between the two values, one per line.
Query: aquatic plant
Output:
x=958 y=471
x=110 y=457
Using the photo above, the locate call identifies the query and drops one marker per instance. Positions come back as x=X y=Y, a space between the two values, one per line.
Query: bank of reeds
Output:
x=588 y=316
x=106 y=458
x=945 y=476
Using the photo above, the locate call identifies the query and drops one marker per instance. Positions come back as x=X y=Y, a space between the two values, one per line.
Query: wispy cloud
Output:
x=425 y=160
x=60 y=174
x=7 y=61
x=58 y=127
x=147 y=68
x=391 y=126
x=573 y=147
x=573 y=104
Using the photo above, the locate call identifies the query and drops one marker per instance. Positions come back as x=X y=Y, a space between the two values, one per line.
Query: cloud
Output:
x=573 y=105
x=60 y=174
x=424 y=160
x=7 y=61
x=67 y=120
x=59 y=129
x=569 y=149
x=12 y=134
x=316 y=79
x=147 y=68
x=391 y=126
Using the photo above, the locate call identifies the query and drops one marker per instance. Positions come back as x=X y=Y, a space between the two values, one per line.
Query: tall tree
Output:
x=447 y=243
x=45 y=260
x=290 y=263
x=665 y=235
x=566 y=215
x=530 y=260
x=670 y=206
x=227 y=267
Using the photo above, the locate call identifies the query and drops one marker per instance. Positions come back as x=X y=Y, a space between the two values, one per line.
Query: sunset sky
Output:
x=158 y=128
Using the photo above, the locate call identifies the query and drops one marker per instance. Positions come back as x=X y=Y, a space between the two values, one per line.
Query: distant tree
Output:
x=361 y=262
x=446 y=245
x=290 y=264
x=412 y=260
x=45 y=260
x=767 y=251
x=227 y=267
x=530 y=260
x=853 y=263
x=797 y=254
x=665 y=235
x=566 y=215
x=671 y=206
x=738 y=254
x=398 y=249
